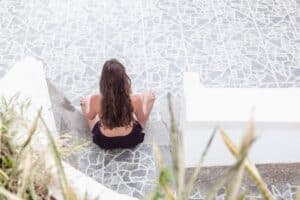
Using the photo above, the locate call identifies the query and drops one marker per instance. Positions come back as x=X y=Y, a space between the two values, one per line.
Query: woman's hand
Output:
x=87 y=106
x=84 y=103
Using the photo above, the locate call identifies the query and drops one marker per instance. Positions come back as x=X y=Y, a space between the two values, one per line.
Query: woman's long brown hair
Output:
x=115 y=87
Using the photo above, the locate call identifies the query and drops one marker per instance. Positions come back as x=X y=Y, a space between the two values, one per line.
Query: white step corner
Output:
x=276 y=114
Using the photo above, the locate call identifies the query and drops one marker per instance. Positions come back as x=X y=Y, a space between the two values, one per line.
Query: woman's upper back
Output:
x=96 y=106
x=96 y=103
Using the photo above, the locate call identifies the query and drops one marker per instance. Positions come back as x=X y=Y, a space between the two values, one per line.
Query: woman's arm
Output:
x=138 y=109
x=88 y=106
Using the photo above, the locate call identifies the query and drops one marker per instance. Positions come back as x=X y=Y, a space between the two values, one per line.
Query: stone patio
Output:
x=234 y=43
x=129 y=171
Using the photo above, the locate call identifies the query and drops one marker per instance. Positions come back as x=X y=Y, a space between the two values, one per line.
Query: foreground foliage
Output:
x=172 y=184
x=24 y=172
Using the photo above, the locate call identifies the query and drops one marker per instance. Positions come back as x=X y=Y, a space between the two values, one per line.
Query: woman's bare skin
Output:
x=142 y=106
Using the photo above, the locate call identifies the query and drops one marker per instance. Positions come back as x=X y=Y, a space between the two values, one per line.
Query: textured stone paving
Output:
x=232 y=43
x=128 y=171
x=282 y=180
x=280 y=192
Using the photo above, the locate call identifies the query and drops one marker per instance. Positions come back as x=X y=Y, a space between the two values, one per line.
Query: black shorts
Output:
x=135 y=137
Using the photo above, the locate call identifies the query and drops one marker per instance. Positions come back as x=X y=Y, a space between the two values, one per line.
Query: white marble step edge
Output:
x=84 y=185
x=209 y=105
x=27 y=77
x=277 y=127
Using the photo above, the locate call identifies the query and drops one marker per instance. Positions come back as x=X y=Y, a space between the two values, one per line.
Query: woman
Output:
x=117 y=117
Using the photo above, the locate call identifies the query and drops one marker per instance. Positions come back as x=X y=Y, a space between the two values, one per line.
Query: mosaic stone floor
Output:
x=134 y=172
x=280 y=192
x=282 y=181
x=231 y=43
x=129 y=171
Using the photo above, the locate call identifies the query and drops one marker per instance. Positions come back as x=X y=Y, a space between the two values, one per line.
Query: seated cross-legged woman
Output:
x=115 y=116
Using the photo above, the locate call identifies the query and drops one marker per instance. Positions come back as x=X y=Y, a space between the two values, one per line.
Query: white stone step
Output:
x=277 y=118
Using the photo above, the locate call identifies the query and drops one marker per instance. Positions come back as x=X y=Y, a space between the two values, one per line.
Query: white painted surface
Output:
x=234 y=104
x=276 y=114
x=83 y=184
x=27 y=78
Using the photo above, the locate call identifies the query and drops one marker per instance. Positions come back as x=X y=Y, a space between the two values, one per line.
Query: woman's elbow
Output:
x=90 y=116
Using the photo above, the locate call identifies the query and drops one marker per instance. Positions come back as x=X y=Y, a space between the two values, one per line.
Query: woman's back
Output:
x=96 y=105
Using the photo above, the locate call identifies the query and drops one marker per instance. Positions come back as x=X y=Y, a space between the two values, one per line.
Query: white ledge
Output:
x=276 y=112
x=270 y=105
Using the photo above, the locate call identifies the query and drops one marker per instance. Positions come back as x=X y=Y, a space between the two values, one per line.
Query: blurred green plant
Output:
x=24 y=173
x=172 y=184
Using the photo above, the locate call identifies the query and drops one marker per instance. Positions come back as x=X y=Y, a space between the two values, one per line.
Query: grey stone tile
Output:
x=235 y=43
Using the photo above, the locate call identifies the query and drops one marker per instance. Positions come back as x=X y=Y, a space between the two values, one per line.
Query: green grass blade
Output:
x=227 y=176
x=26 y=170
x=199 y=165
x=68 y=193
x=32 y=191
x=3 y=174
x=32 y=130
x=251 y=169
x=8 y=194
x=236 y=182
x=177 y=153
x=165 y=177
x=298 y=194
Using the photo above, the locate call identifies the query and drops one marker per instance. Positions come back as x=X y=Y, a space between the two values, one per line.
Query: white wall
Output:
x=276 y=114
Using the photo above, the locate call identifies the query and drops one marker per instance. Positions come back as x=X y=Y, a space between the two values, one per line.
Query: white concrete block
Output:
x=277 y=118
